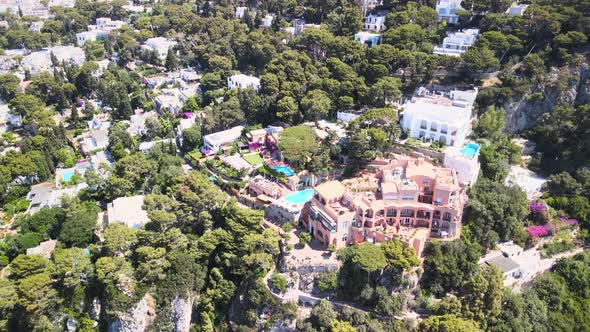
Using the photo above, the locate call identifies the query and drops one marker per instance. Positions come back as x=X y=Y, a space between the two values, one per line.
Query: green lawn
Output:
x=253 y=158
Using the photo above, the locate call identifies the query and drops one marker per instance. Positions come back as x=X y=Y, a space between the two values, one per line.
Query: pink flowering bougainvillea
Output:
x=568 y=221
x=537 y=207
x=538 y=231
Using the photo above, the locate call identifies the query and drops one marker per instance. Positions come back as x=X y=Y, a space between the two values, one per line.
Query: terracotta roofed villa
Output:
x=405 y=198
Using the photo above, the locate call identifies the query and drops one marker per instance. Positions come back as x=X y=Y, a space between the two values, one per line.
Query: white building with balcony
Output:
x=368 y=39
x=439 y=114
x=447 y=10
x=457 y=43
x=159 y=44
x=374 y=22
x=241 y=81
x=100 y=30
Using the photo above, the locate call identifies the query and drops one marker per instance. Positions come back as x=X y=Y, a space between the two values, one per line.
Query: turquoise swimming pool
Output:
x=470 y=149
x=300 y=197
x=284 y=169
x=67 y=176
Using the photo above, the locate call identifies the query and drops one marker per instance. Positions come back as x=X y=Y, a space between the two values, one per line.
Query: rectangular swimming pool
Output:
x=300 y=197
x=470 y=149
x=67 y=176
x=286 y=170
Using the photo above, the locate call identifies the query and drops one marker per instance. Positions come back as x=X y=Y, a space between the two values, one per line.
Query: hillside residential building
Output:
x=28 y=8
x=241 y=81
x=439 y=114
x=447 y=10
x=406 y=198
x=100 y=30
x=282 y=211
x=375 y=22
x=160 y=45
x=8 y=120
x=36 y=26
x=240 y=12
x=457 y=43
x=96 y=138
x=299 y=26
x=368 y=39
x=137 y=122
x=517 y=9
x=213 y=142
x=45 y=195
x=40 y=61
x=127 y=211
x=368 y=5
x=267 y=20
x=264 y=139
x=261 y=186
x=62 y=3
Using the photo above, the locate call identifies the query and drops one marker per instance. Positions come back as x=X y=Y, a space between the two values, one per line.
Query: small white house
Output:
x=457 y=43
x=213 y=142
x=267 y=20
x=159 y=44
x=447 y=10
x=517 y=9
x=105 y=23
x=439 y=114
x=240 y=12
x=299 y=26
x=368 y=39
x=36 y=26
x=375 y=22
x=241 y=81
x=100 y=30
x=86 y=36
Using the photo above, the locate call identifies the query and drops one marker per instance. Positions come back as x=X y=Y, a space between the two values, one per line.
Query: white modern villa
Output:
x=439 y=114
x=368 y=39
x=447 y=10
x=375 y=22
x=213 y=142
x=241 y=81
x=457 y=43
